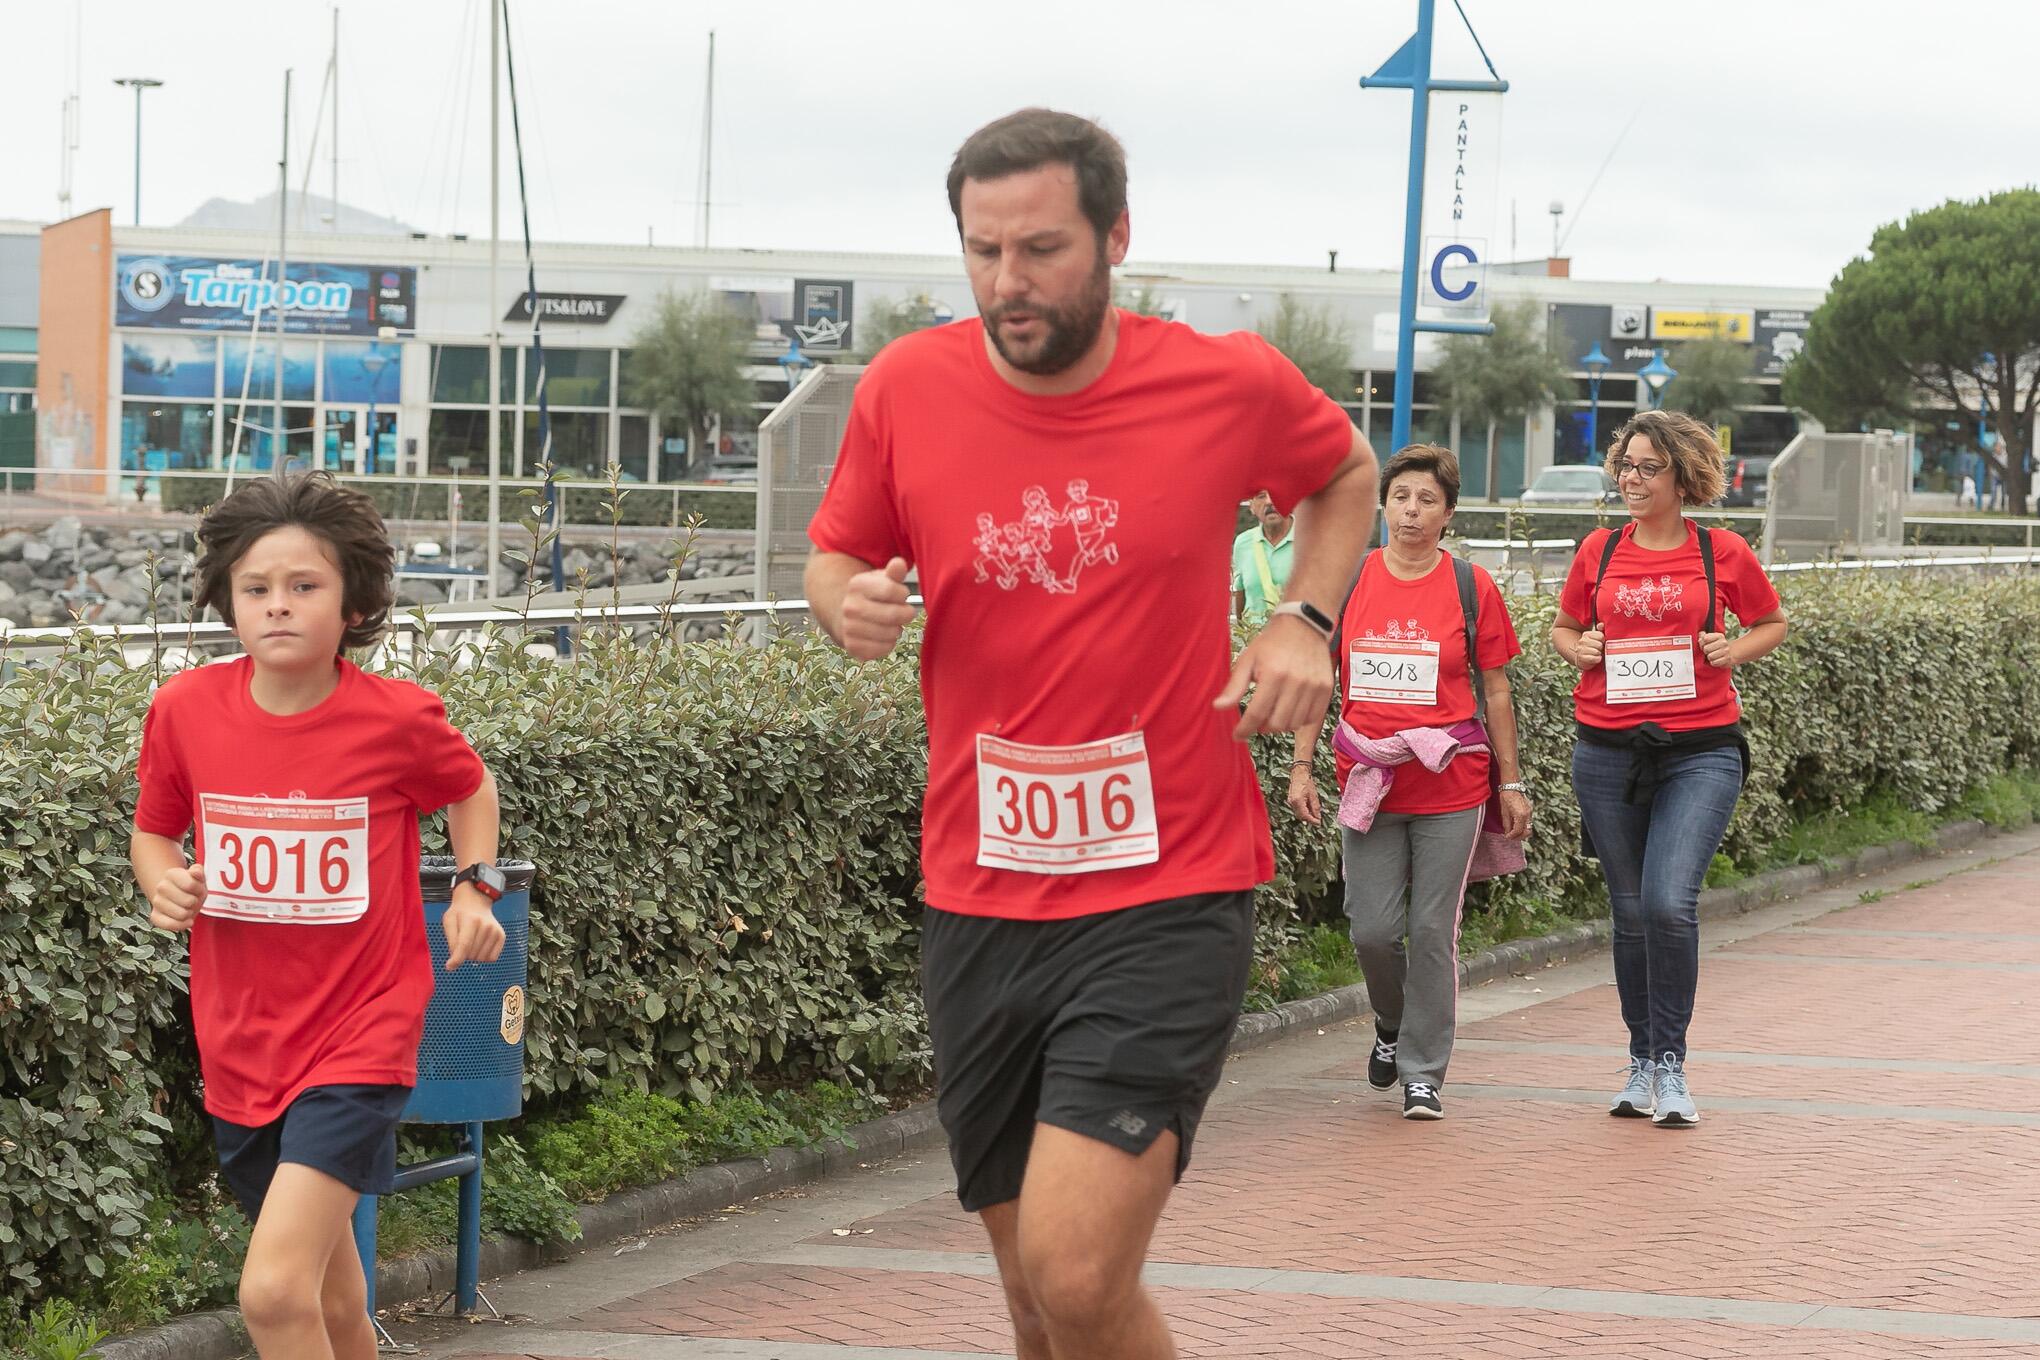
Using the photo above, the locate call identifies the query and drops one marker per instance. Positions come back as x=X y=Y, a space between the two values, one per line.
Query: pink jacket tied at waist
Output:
x=1374 y=761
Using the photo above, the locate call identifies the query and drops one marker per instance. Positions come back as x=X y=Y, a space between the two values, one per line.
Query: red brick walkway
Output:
x=1865 y=1181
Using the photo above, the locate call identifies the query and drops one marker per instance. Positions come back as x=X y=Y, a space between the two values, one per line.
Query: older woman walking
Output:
x=1660 y=757
x=1426 y=726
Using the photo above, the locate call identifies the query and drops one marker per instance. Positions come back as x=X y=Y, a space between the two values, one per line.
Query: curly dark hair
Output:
x=1034 y=137
x=346 y=520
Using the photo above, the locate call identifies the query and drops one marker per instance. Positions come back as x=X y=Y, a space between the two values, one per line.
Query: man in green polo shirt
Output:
x=1260 y=561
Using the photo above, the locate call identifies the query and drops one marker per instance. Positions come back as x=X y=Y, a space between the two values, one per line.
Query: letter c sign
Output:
x=1456 y=252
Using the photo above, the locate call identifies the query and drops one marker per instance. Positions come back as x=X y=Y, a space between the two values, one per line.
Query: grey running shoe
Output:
x=1675 y=1107
x=1639 y=1093
x=1420 y=1101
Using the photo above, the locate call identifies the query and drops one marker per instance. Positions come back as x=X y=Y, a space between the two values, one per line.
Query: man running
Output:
x=1093 y=828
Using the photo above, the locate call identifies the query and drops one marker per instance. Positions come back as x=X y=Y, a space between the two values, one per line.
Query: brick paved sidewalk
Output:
x=1865 y=1181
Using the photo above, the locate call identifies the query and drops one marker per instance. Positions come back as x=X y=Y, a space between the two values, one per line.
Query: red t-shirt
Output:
x=1074 y=555
x=309 y=965
x=1653 y=606
x=1394 y=636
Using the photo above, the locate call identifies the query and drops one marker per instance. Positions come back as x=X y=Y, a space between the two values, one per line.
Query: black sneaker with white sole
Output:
x=1381 y=1062
x=1420 y=1101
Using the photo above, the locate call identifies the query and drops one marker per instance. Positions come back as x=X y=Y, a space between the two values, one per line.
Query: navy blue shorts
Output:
x=348 y=1132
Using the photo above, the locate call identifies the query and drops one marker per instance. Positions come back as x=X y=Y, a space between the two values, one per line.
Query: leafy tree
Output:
x=1944 y=310
x=1713 y=380
x=1317 y=340
x=688 y=363
x=1487 y=380
x=886 y=319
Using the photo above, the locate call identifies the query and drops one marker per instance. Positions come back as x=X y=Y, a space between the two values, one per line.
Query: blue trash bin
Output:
x=470 y=1061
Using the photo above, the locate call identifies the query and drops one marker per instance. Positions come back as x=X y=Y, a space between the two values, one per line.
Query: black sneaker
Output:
x=1381 y=1062
x=1420 y=1101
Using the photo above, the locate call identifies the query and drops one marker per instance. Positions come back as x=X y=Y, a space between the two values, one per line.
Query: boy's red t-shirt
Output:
x=1405 y=620
x=309 y=964
x=1074 y=553
x=1662 y=593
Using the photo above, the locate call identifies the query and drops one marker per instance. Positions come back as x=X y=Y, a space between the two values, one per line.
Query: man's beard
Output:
x=1067 y=332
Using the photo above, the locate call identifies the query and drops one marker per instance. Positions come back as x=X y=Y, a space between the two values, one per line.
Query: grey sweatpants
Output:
x=1414 y=989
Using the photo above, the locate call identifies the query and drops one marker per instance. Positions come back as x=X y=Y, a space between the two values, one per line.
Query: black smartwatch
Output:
x=486 y=877
x=1308 y=612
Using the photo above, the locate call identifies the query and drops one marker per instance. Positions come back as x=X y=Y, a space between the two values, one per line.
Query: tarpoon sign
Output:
x=198 y=293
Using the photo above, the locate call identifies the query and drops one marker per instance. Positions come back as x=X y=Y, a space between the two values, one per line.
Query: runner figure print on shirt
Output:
x=1394 y=631
x=1049 y=547
x=1651 y=599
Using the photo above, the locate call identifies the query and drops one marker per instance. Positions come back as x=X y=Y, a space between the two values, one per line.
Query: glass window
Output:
x=573 y=377
x=364 y=374
x=19 y=375
x=1426 y=427
x=166 y=365
x=458 y=442
x=580 y=444
x=17 y=339
x=255 y=366
x=630 y=393
x=156 y=435
x=460 y=373
x=634 y=453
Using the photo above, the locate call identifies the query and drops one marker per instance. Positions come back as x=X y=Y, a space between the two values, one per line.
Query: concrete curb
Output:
x=218 y=1334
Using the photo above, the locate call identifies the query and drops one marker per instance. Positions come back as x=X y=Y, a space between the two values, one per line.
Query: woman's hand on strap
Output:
x=1515 y=815
x=1303 y=795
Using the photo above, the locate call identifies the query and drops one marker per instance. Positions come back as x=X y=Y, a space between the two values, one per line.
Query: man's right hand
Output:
x=1587 y=651
x=176 y=898
x=875 y=611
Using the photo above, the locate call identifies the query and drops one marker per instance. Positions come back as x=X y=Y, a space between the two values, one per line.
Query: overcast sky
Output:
x=1770 y=137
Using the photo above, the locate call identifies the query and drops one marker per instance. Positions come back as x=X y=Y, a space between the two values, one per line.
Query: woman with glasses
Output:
x=1660 y=757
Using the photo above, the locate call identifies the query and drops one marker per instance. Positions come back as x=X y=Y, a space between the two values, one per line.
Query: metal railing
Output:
x=98 y=491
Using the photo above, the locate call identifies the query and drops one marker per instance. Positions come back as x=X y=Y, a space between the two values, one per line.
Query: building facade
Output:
x=153 y=348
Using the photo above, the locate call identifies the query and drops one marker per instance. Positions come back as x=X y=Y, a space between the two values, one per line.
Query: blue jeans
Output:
x=1655 y=858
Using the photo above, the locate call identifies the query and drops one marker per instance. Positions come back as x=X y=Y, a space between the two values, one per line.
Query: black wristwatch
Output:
x=486 y=877
x=1309 y=613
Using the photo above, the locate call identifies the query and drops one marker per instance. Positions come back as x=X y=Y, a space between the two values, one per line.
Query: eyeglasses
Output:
x=1644 y=471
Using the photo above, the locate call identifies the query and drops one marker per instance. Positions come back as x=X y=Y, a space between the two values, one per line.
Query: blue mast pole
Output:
x=1410 y=69
x=1413 y=226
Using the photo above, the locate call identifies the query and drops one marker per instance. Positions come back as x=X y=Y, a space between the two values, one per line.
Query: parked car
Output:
x=735 y=468
x=1575 y=484
x=1749 y=480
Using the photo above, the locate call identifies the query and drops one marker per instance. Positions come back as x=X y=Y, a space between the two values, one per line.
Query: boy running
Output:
x=305 y=778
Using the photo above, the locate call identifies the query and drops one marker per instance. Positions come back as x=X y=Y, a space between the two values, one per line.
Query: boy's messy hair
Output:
x=346 y=520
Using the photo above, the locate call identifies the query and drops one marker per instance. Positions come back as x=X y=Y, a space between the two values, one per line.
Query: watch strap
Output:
x=487 y=879
x=1308 y=612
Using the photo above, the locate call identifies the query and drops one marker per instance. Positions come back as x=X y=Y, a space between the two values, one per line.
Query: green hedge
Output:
x=727 y=845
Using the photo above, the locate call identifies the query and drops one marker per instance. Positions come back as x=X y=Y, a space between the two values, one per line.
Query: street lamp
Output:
x=373 y=363
x=795 y=363
x=1657 y=373
x=139 y=83
x=1596 y=363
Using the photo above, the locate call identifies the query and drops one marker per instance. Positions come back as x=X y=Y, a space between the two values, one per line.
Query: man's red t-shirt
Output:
x=1393 y=637
x=309 y=965
x=1653 y=604
x=1074 y=556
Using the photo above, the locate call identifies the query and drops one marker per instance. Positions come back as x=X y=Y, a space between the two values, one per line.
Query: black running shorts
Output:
x=1112 y=1026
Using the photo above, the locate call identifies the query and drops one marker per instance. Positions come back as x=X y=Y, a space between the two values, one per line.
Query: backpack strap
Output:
x=1608 y=546
x=1469 y=609
x=1707 y=565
